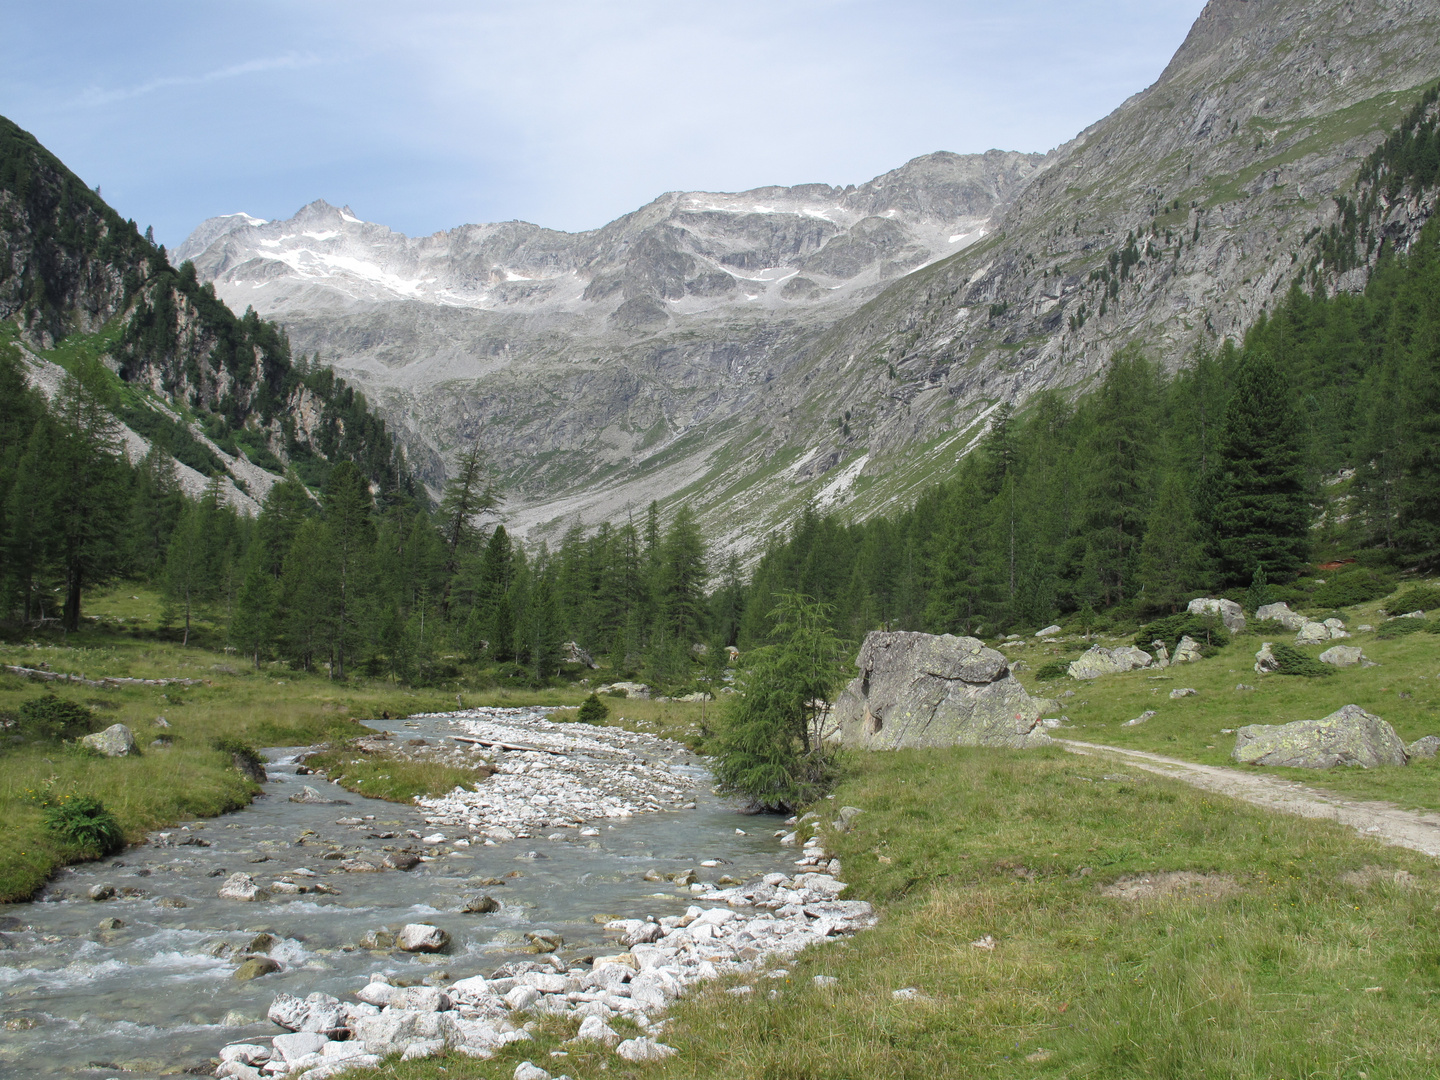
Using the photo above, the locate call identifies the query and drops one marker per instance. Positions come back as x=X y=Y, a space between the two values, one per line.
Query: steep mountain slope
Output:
x=216 y=391
x=683 y=352
x=577 y=355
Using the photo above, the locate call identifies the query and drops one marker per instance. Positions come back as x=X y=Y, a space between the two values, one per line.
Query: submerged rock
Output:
x=421 y=937
x=252 y=967
x=1348 y=736
x=935 y=690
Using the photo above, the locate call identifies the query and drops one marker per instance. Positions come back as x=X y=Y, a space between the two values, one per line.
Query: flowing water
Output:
x=151 y=998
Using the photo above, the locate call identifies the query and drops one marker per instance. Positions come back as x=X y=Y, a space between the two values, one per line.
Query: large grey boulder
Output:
x=1348 y=736
x=1187 y=651
x=1282 y=614
x=115 y=741
x=935 y=690
x=1230 y=612
x=1342 y=655
x=1099 y=661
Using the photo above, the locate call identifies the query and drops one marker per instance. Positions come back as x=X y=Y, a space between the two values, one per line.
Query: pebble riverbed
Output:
x=576 y=823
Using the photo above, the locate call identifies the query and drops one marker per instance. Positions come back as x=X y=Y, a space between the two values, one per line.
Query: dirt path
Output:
x=1419 y=830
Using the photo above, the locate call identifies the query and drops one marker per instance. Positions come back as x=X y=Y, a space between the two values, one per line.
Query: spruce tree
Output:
x=1258 y=510
x=1173 y=562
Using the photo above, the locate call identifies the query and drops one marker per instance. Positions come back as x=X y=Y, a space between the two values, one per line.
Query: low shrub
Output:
x=1208 y=630
x=1053 y=670
x=1353 y=587
x=83 y=821
x=1400 y=627
x=593 y=711
x=241 y=751
x=1294 y=662
x=1415 y=598
x=53 y=718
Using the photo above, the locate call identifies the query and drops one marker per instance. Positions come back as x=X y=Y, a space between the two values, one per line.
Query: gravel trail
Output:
x=1386 y=822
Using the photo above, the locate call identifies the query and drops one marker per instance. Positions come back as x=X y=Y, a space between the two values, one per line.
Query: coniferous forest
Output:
x=1315 y=438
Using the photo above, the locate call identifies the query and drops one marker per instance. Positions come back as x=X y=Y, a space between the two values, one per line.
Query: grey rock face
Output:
x=1348 y=736
x=114 y=741
x=1099 y=660
x=928 y=690
x=1342 y=655
x=1282 y=614
x=1425 y=747
x=1229 y=612
x=1187 y=651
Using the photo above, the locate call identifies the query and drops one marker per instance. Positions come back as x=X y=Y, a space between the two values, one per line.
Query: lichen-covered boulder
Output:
x=1099 y=660
x=1282 y=614
x=935 y=690
x=1230 y=612
x=1342 y=655
x=1424 y=747
x=1348 y=736
x=1266 y=660
x=1187 y=651
x=115 y=741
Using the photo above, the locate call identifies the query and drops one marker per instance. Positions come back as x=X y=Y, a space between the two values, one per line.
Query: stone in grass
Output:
x=594 y=1029
x=115 y=741
x=1348 y=736
x=1230 y=612
x=1342 y=656
x=528 y=1071
x=252 y=967
x=242 y=887
x=422 y=937
x=1425 y=747
x=644 y=1049
x=1144 y=716
x=1102 y=661
x=1182 y=692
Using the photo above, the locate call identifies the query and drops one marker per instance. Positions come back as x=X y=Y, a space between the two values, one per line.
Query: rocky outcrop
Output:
x=1229 y=612
x=1314 y=633
x=1348 y=736
x=934 y=690
x=115 y=741
x=1282 y=614
x=1099 y=660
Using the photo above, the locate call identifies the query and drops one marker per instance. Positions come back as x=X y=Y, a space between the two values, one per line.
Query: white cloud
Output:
x=95 y=97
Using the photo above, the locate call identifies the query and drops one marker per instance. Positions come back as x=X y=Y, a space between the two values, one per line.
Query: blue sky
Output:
x=425 y=115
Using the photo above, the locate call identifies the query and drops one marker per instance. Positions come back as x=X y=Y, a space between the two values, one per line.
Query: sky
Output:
x=426 y=115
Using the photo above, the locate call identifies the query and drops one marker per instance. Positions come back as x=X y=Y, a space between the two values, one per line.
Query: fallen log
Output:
x=505 y=745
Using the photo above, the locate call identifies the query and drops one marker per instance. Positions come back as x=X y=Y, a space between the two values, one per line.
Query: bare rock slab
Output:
x=935 y=690
x=1348 y=736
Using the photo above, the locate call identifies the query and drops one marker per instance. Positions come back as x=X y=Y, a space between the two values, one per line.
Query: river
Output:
x=82 y=997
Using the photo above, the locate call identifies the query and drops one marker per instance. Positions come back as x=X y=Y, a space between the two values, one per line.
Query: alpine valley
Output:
x=754 y=352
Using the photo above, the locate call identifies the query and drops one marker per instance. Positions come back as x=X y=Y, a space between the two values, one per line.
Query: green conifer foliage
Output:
x=1259 y=511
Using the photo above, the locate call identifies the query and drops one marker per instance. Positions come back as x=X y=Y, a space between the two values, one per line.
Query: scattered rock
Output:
x=527 y=1071
x=422 y=937
x=594 y=1029
x=1424 y=747
x=1187 y=651
x=1243 y=686
x=1265 y=661
x=1146 y=715
x=1049 y=631
x=101 y=892
x=1182 y=692
x=1230 y=612
x=310 y=795
x=377 y=939
x=644 y=1049
x=113 y=923
x=252 y=967
x=1312 y=633
x=1342 y=656
x=402 y=860
x=1282 y=614
x=173 y=903
x=242 y=887
x=480 y=904
x=1102 y=661
x=935 y=690
x=115 y=741
x=1348 y=736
